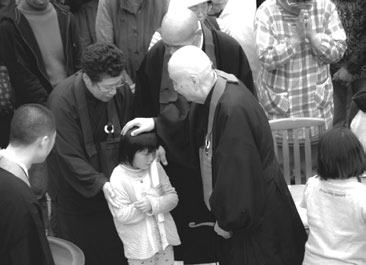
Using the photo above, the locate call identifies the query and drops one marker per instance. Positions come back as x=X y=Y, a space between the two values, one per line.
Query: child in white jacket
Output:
x=144 y=223
x=336 y=202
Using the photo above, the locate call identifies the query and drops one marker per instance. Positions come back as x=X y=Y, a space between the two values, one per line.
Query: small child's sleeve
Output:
x=363 y=207
x=305 y=195
x=168 y=199
x=127 y=214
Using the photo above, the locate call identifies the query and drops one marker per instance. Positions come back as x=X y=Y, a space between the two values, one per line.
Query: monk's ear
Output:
x=195 y=80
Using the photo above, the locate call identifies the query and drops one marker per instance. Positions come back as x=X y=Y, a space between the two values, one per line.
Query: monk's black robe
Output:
x=172 y=124
x=22 y=232
x=75 y=176
x=250 y=197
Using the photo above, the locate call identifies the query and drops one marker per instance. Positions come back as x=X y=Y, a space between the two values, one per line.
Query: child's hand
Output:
x=143 y=205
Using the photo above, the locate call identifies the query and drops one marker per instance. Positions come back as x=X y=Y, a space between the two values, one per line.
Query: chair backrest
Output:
x=65 y=253
x=291 y=133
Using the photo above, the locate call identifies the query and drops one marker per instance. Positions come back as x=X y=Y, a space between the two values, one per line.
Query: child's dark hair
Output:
x=340 y=155
x=129 y=145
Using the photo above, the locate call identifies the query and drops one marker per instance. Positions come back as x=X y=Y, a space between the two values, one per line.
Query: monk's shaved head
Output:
x=179 y=25
x=192 y=73
x=189 y=61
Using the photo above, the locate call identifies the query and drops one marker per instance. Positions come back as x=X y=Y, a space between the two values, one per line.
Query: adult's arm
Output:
x=358 y=57
x=330 y=45
x=273 y=53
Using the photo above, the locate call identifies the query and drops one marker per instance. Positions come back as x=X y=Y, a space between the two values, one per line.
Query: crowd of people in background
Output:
x=144 y=125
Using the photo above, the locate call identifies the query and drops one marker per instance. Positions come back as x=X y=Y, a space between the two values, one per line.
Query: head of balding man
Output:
x=179 y=28
x=192 y=74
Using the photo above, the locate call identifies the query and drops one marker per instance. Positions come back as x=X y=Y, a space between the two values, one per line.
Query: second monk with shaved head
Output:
x=156 y=98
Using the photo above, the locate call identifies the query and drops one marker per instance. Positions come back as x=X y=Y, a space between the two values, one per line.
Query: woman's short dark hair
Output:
x=340 y=155
x=102 y=59
x=30 y=122
x=131 y=144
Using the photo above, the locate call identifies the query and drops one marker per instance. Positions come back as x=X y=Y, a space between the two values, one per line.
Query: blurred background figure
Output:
x=85 y=13
x=233 y=17
x=7 y=8
x=130 y=24
x=351 y=69
x=236 y=18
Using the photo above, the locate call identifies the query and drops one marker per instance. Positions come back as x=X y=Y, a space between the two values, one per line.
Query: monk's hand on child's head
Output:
x=143 y=205
x=142 y=125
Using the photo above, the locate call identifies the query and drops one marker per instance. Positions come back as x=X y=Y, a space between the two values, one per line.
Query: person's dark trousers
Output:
x=342 y=97
x=359 y=84
x=95 y=234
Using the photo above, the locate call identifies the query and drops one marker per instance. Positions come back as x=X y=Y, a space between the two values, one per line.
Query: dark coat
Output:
x=352 y=13
x=250 y=197
x=75 y=173
x=21 y=55
x=22 y=232
x=199 y=245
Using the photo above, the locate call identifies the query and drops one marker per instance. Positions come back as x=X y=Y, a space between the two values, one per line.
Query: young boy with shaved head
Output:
x=22 y=232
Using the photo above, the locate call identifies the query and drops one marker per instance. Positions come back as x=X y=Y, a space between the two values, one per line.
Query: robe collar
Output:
x=11 y=164
x=209 y=95
x=132 y=6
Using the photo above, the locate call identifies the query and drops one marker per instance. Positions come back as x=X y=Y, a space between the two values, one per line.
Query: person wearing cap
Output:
x=155 y=97
x=243 y=185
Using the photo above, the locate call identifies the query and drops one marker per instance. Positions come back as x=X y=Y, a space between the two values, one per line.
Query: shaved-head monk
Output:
x=169 y=112
x=243 y=185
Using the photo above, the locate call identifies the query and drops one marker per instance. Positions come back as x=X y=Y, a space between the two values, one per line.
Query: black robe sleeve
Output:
x=237 y=197
x=231 y=59
x=148 y=78
x=22 y=233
